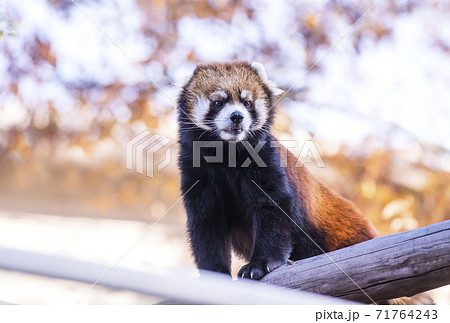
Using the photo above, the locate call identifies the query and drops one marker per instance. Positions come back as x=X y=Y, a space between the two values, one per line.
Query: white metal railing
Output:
x=177 y=285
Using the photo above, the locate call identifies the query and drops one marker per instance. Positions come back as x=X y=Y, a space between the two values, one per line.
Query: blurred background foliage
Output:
x=77 y=81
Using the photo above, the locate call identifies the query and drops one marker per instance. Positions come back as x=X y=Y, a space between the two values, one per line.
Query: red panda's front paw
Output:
x=258 y=269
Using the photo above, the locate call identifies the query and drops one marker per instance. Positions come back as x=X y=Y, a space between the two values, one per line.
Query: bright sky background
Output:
x=403 y=79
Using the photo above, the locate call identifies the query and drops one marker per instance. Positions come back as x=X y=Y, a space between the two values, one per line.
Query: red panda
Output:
x=235 y=191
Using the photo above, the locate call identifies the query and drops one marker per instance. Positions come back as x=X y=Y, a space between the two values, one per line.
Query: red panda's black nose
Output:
x=236 y=117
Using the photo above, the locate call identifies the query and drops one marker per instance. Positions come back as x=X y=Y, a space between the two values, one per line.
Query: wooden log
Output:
x=388 y=267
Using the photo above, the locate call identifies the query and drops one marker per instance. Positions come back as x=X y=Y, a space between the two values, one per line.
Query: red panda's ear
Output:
x=261 y=71
x=182 y=82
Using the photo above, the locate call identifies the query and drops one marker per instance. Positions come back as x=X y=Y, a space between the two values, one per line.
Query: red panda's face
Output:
x=231 y=100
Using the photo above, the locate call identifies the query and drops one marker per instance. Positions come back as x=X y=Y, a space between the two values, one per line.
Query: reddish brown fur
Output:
x=234 y=77
x=329 y=218
x=341 y=223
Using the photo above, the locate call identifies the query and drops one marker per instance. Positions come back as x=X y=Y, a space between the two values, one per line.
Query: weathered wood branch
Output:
x=392 y=266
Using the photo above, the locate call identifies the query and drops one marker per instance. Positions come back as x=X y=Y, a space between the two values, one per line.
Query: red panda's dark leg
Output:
x=210 y=245
x=272 y=243
x=207 y=227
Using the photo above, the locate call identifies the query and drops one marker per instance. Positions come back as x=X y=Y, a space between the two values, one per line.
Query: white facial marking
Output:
x=221 y=94
x=222 y=121
x=200 y=110
x=261 y=114
x=228 y=136
x=246 y=95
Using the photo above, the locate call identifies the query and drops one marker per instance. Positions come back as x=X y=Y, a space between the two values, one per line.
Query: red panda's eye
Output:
x=247 y=104
x=218 y=104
